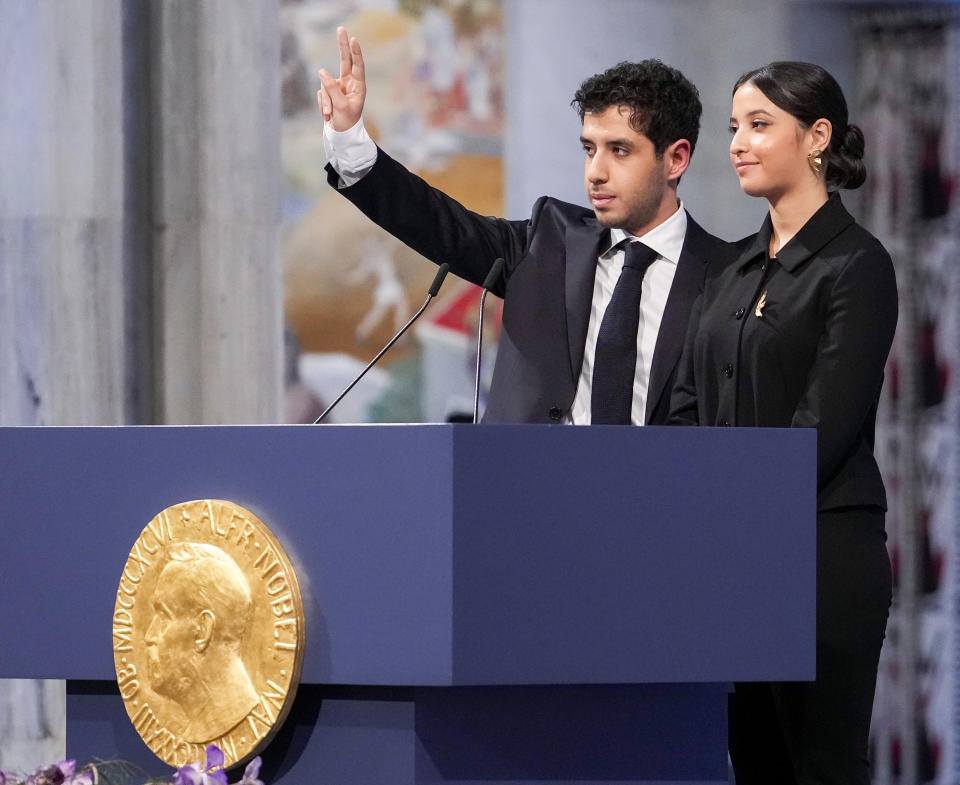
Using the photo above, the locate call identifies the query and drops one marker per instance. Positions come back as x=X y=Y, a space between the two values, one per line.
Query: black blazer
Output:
x=798 y=341
x=547 y=286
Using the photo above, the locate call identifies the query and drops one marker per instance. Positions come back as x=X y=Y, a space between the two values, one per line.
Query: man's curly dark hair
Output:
x=664 y=105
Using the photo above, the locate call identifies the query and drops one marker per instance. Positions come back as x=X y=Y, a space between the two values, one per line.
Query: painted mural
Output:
x=434 y=102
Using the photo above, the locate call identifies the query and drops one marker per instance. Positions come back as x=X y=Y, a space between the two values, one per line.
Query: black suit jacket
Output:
x=798 y=341
x=547 y=286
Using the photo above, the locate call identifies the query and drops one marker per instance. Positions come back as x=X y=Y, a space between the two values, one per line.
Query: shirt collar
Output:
x=665 y=238
x=825 y=224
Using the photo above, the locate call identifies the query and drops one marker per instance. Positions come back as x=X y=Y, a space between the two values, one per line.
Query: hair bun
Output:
x=845 y=167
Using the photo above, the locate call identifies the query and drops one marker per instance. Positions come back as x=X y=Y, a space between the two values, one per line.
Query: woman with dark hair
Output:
x=795 y=333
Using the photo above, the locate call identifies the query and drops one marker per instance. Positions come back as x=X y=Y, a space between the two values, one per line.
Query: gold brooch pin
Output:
x=758 y=311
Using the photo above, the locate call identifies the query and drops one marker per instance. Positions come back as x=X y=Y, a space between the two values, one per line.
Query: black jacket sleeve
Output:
x=844 y=381
x=434 y=224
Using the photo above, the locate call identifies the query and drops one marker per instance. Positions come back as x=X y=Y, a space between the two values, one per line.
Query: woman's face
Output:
x=769 y=148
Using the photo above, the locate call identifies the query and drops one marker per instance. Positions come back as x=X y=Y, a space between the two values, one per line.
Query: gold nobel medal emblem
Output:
x=207 y=633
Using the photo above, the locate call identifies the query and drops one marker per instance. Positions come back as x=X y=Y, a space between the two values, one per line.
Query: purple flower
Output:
x=189 y=774
x=64 y=773
x=211 y=774
x=252 y=773
x=67 y=774
x=78 y=778
x=49 y=775
x=214 y=764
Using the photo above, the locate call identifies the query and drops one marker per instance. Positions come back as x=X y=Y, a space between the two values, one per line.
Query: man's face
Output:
x=626 y=182
x=170 y=641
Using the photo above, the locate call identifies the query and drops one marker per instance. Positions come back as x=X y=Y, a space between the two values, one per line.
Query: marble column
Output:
x=62 y=331
x=63 y=336
x=216 y=208
x=139 y=211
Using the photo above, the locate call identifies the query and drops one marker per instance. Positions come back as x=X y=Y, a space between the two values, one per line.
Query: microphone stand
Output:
x=434 y=289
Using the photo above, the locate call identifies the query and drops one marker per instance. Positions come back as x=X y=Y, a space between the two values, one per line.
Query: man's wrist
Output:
x=352 y=152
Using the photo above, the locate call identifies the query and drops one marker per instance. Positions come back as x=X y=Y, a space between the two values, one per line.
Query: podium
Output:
x=494 y=604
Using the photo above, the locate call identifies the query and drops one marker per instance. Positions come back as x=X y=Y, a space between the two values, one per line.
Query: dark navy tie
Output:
x=615 y=361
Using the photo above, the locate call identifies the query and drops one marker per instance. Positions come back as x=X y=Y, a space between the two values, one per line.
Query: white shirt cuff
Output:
x=352 y=153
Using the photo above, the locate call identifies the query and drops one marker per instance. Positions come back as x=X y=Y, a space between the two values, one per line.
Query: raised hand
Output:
x=341 y=100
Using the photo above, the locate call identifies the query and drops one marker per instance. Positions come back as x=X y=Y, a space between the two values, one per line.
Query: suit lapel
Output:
x=582 y=247
x=687 y=282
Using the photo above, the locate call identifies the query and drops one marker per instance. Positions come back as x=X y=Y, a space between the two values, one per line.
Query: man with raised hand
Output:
x=596 y=303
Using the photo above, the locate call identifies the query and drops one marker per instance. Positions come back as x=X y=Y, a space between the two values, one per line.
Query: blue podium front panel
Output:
x=566 y=734
x=656 y=554
x=364 y=514
x=443 y=555
x=518 y=604
x=574 y=734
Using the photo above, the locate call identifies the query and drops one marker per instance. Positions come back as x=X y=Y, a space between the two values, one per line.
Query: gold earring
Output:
x=816 y=162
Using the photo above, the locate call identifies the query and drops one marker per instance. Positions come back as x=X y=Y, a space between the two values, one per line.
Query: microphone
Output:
x=431 y=293
x=489 y=282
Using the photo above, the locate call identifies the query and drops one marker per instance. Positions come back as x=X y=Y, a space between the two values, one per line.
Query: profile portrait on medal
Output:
x=201 y=610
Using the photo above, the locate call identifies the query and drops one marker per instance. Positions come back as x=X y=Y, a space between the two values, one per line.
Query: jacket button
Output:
x=727 y=370
x=555 y=413
x=740 y=312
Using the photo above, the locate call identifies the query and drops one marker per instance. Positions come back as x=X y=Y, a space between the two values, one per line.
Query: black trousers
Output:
x=806 y=733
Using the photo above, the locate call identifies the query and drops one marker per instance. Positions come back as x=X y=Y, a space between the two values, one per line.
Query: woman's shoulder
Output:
x=742 y=250
x=745 y=245
x=722 y=267
x=855 y=246
x=859 y=238
x=862 y=267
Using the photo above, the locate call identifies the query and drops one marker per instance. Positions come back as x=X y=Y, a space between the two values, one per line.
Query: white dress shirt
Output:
x=667 y=240
x=352 y=153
